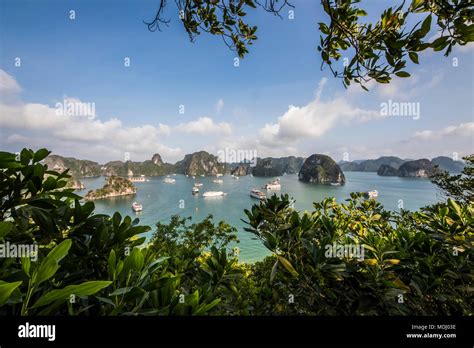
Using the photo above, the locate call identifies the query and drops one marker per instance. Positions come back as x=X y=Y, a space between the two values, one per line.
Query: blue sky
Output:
x=245 y=107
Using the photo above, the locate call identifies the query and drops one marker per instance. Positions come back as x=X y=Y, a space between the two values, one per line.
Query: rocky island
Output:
x=321 y=169
x=200 y=163
x=115 y=186
x=422 y=168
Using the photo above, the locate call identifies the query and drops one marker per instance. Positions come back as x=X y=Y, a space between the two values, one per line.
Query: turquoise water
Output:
x=161 y=201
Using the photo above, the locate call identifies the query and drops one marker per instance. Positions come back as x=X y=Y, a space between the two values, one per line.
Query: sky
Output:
x=177 y=97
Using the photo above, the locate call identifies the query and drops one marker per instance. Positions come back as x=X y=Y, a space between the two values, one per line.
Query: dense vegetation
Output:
x=93 y=264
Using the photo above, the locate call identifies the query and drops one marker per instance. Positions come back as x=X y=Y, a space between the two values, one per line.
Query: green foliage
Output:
x=426 y=257
x=459 y=187
x=377 y=51
x=93 y=264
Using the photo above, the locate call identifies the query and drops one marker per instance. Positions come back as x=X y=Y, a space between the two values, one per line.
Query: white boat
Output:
x=371 y=194
x=218 y=175
x=235 y=176
x=197 y=184
x=273 y=185
x=336 y=184
x=137 y=206
x=213 y=194
x=169 y=181
x=258 y=194
x=137 y=179
x=202 y=175
x=194 y=177
x=195 y=190
x=218 y=181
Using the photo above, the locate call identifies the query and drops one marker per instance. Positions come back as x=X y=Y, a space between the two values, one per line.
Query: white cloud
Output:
x=204 y=125
x=461 y=130
x=313 y=120
x=8 y=84
x=219 y=105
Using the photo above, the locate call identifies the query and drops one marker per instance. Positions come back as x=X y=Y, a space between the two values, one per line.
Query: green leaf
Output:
x=60 y=251
x=414 y=57
x=5 y=228
x=84 y=289
x=40 y=155
x=46 y=270
x=25 y=265
x=289 y=267
x=6 y=290
x=402 y=74
x=111 y=264
x=425 y=27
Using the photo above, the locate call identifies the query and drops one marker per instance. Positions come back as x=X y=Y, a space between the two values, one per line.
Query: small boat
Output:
x=218 y=175
x=194 y=177
x=197 y=184
x=235 y=177
x=137 y=206
x=202 y=175
x=258 y=194
x=195 y=190
x=371 y=194
x=218 y=181
x=336 y=184
x=137 y=178
x=273 y=185
x=213 y=194
x=169 y=180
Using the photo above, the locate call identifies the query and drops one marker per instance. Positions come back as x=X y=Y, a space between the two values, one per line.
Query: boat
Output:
x=197 y=184
x=273 y=185
x=371 y=194
x=169 y=180
x=195 y=190
x=213 y=194
x=137 y=206
x=218 y=175
x=194 y=177
x=336 y=184
x=137 y=179
x=258 y=194
x=202 y=175
x=218 y=181
x=235 y=176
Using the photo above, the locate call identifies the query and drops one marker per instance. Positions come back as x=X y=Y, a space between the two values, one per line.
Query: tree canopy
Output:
x=373 y=50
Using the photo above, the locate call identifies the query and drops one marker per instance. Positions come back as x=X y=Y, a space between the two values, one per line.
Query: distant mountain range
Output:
x=204 y=163
x=389 y=165
x=198 y=163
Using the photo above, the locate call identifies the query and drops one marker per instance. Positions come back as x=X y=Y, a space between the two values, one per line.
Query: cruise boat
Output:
x=137 y=206
x=371 y=194
x=213 y=194
x=169 y=180
x=218 y=181
x=137 y=179
x=258 y=194
x=197 y=184
x=273 y=185
x=195 y=190
x=218 y=175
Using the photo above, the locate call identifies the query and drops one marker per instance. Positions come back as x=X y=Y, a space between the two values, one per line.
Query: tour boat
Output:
x=371 y=194
x=258 y=194
x=197 y=184
x=273 y=185
x=213 y=194
x=137 y=206
x=137 y=179
x=169 y=180
x=218 y=175
x=218 y=181
x=195 y=190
